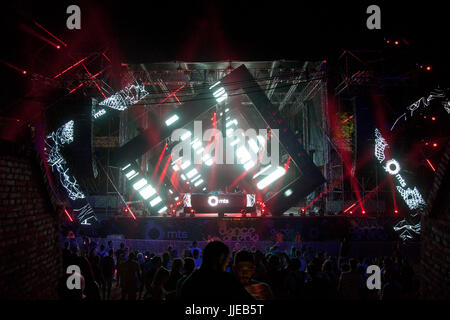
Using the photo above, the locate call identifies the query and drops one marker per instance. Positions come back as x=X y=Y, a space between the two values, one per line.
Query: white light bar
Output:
x=183 y=176
x=288 y=192
x=175 y=167
x=249 y=164
x=209 y=162
x=170 y=190
x=262 y=171
x=124 y=168
x=200 y=150
x=162 y=209
x=272 y=177
x=176 y=161
x=199 y=182
x=215 y=84
x=171 y=120
x=219 y=92
x=223 y=97
x=186 y=135
x=191 y=173
x=140 y=184
x=155 y=201
x=176 y=198
x=195 y=178
x=134 y=175
x=129 y=174
x=147 y=192
x=227 y=109
x=185 y=164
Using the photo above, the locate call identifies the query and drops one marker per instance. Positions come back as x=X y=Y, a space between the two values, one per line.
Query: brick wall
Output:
x=435 y=238
x=30 y=253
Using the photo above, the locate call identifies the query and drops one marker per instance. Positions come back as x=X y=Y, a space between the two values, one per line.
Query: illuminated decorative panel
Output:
x=125 y=97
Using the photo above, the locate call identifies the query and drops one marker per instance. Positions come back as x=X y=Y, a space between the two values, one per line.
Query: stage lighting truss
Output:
x=55 y=158
x=148 y=193
x=126 y=97
x=266 y=175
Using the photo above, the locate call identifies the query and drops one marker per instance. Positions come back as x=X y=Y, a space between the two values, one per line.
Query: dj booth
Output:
x=220 y=203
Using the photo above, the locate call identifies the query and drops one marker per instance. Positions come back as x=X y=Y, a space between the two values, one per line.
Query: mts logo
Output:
x=177 y=235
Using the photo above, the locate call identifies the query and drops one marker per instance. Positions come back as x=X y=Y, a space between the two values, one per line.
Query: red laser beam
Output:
x=81 y=84
x=431 y=166
x=159 y=162
x=368 y=196
x=347 y=119
x=350 y=207
x=173 y=94
x=14 y=67
x=68 y=215
x=127 y=209
x=163 y=174
x=72 y=66
x=54 y=37
x=104 y=54
x=391 y=185
x=322 y=193
x=95 y=82
x=286 y=165
x=37 y=35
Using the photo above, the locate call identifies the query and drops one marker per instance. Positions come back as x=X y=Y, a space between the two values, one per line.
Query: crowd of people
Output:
x=215 y=273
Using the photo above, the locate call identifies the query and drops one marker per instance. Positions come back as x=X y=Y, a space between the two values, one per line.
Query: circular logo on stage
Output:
x=392 y=167
x=213 y=201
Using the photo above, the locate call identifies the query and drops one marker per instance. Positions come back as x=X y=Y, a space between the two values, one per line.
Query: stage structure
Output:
x=181 y=93
x=136 y=172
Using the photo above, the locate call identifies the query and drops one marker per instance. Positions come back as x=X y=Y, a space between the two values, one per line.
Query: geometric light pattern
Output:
x=126 y=97
x=407 y=229
x=380 y=145
x=64 y=135
x=412 y=197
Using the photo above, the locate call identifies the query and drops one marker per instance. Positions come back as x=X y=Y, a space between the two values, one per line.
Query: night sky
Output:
x=151 y=31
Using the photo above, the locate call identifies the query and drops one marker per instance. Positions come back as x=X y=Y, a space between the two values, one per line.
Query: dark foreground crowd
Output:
x=215 y=273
